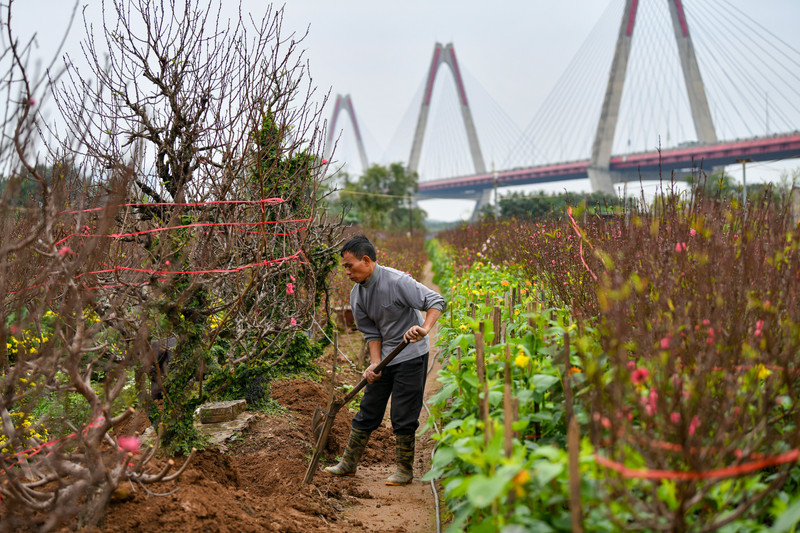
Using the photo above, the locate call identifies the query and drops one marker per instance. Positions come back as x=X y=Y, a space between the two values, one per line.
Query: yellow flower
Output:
x=504 y=283
x=574 y=370
x=528 y=283
x=463 y=327
x=762 y=371
x=522 y=360
x=521 y=478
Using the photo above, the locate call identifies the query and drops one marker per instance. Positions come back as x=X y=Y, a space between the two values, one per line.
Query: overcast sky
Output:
x=379 y=51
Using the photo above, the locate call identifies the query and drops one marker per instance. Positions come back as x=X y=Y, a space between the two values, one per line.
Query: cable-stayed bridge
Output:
x=676 y=78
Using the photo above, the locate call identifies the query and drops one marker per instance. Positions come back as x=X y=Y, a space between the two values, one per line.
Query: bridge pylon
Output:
x=345 y=103
x=600 y=175
x=445 y=54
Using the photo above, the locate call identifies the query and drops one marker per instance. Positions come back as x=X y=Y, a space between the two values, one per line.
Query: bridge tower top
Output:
x=599 y=173
x=445 y=54
x=345 y=103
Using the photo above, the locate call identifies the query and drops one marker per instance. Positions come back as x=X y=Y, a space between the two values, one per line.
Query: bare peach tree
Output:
x=180 y=203
x=61 y=343
x=219 y=118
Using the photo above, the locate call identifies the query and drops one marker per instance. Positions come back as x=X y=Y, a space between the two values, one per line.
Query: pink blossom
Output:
x=167 y=263
x=735 y=236
x=693 y=425
x=665 y=343
x=64 y=250
x=639 y=376
x=675 y=418
x=293 y=321
x=706 y=322
x=680 y=247
x=31 y=101
x=766 y=304
x=128 y=443
x=291 y=277
x=631 y=365
x=324 y=161
x=692 y=232
x=289 y=288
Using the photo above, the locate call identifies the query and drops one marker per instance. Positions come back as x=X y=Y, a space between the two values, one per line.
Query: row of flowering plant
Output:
x=492 y=481
x=688 y=355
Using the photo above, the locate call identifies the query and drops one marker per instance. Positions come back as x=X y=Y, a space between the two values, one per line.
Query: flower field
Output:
x=632 y=372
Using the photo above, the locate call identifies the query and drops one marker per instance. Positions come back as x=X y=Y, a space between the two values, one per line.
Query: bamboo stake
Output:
x=335 y=356
x=508 y=409
x=483 y=402
x=573 y=445
x=496 y=313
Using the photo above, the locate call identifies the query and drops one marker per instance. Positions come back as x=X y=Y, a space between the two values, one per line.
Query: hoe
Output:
x=322 y=422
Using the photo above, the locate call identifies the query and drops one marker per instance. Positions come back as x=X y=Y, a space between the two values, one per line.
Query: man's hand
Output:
x=415 y=333
x=371 y=376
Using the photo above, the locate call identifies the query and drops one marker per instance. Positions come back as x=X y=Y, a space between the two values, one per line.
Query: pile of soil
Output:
x=259 y=485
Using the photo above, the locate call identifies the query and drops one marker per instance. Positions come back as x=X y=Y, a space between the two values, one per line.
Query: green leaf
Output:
x=519 y=425
x=471 y=379
x=666 y=493
x=788 y=520
x=546 y=471
x=483 y=490
x=542 y=382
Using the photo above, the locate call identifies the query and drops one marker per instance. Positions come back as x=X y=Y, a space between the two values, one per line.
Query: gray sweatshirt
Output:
x=387 y=305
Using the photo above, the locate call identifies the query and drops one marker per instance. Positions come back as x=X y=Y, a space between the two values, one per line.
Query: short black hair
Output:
x=360 y=246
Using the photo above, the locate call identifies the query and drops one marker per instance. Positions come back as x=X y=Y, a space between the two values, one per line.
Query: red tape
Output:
x=184 y=226
x=261 y=201
x=582 y=238
x=729 y=471
x=294 y=257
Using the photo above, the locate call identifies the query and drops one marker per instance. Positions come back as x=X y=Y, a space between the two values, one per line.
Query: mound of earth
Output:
x=259 y=485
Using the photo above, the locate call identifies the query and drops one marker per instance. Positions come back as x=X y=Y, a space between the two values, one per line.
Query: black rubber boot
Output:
x=352 y=454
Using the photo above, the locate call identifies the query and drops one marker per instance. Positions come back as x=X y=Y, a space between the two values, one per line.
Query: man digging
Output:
x=386 y=305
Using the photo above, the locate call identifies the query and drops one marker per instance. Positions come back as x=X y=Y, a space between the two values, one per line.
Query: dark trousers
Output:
x=405 y=383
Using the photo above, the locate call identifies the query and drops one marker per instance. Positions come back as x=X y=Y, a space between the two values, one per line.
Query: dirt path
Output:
x=411 y=508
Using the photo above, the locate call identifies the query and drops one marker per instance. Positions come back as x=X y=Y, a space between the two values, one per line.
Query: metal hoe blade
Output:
x=317 y=422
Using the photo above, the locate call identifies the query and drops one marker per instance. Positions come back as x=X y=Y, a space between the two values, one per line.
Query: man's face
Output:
x=358 y=270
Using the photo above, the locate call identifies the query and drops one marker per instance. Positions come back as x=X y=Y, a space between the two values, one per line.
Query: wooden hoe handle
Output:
x=378 y=369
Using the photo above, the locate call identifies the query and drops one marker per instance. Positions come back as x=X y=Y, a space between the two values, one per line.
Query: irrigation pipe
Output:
x=433 y=483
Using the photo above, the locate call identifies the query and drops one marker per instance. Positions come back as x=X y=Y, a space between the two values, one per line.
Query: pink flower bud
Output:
x=665 y=343
x=675 y=418
x=693 y=425
x=128 y=443
x=293 y=321
x=289 y=288
x=692 y=232
x=63 y=251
